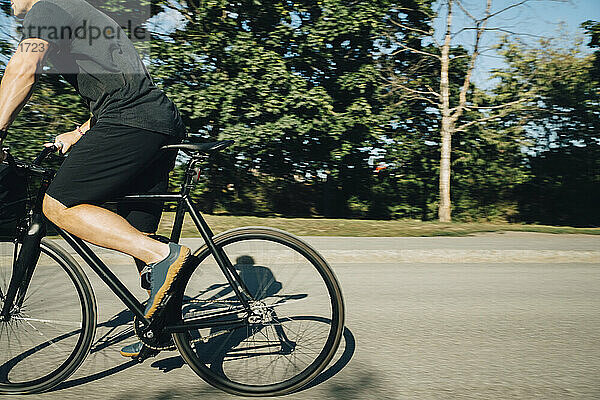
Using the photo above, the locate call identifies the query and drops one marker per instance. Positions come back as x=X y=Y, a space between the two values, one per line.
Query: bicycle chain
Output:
x=171 y=346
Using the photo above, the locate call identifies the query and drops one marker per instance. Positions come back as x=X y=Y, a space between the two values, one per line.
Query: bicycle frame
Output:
x=184 y=204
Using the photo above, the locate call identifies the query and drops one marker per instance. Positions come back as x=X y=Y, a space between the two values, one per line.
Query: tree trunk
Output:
x=444 y=209
x=444 y=213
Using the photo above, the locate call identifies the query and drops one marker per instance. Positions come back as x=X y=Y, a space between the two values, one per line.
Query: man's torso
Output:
x=93 y=53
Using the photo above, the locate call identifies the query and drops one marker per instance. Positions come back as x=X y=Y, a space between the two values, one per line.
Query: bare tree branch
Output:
x=503 y=113
x=467 y=82
x=411 y=90
x=407 y=48
x=432 y=91
x=429 y=33
x=495 y=107
x=461 y=56
x=470 y=28
x=507 y=8
x=467 y=13
x=408 y=28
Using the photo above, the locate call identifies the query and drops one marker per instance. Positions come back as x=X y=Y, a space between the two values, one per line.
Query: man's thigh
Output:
x=145 y=215
x=105 y=164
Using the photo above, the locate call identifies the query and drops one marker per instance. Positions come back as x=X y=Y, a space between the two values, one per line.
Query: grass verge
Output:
x=352 y=227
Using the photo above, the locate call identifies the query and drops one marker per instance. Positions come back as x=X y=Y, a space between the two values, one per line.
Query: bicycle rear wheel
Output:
x=48 y=337
x=296 y=323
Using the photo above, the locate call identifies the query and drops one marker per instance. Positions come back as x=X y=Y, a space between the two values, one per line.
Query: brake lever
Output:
x=44 y=154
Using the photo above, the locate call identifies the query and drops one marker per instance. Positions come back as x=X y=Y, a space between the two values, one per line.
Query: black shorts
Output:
x=111 y=161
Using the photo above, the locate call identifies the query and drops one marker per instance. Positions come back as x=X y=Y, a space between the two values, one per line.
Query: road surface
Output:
x=502 y=316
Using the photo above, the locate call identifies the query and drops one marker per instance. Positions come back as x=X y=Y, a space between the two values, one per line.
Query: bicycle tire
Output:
x=17 y=362
x=287 y=251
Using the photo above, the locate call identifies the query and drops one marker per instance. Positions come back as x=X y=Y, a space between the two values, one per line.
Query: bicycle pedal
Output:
x=145 y=353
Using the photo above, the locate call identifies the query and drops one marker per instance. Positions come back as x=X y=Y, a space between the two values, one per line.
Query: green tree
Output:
x=450 y=91
x=294 y=83
x=562 y=129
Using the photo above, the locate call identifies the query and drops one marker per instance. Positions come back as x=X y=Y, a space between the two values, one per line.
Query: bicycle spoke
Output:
x=49 y=321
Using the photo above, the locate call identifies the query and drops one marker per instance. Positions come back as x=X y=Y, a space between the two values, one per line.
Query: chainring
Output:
x=163 y=342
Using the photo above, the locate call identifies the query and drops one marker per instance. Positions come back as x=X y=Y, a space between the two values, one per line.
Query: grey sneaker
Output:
x=132 y=350
x=163 y=275
x=145 y=278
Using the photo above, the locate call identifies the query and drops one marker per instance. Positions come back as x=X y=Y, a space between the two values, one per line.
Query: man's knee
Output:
x=52 y=208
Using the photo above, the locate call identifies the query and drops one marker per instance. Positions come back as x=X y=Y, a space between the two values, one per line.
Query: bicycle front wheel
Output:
x=295 y=325
x=49 y=335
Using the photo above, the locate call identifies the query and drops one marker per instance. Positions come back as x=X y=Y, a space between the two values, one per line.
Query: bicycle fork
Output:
x=24 y=266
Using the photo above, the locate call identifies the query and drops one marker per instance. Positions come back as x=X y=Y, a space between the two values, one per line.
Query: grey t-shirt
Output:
x=94 y=54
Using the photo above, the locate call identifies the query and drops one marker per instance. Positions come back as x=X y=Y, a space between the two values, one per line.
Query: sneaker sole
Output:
x=174 y=269
x=125 y=354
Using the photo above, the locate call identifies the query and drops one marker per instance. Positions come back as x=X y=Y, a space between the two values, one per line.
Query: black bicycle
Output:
x=259 y=313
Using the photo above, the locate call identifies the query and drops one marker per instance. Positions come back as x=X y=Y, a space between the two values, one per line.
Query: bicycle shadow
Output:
x=114 y=335
x=261 y=283
x=349 y=343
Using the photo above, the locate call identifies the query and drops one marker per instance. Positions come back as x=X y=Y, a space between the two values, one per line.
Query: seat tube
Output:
x=186 y=189
x=178 y=223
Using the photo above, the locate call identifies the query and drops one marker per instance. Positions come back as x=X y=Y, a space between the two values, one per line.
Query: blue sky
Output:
x=537 y=17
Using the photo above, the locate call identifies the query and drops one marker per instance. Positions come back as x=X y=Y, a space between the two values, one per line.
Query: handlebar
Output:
x=33 y=167
x=44 y=154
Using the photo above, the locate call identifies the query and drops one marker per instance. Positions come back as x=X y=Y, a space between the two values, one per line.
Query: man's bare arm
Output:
x=19 y=79
x=86 y=126
x=67 y=140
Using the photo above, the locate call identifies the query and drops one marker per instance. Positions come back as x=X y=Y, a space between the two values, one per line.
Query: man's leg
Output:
x=104 y=165
x=139 y=264
x=107 y=229
x=145 y=215
x=104 y=228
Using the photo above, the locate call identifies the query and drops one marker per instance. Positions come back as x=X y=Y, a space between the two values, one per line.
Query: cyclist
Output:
x=114 y=153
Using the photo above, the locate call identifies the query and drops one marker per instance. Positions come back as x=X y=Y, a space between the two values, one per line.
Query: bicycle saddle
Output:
x=189 y=146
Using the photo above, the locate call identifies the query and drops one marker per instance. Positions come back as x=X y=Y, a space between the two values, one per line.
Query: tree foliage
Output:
x=333 y=116
x=562 y=128
x=294 y=83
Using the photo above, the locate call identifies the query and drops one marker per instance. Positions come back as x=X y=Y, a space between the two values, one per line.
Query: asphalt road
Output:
x=494 y=316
